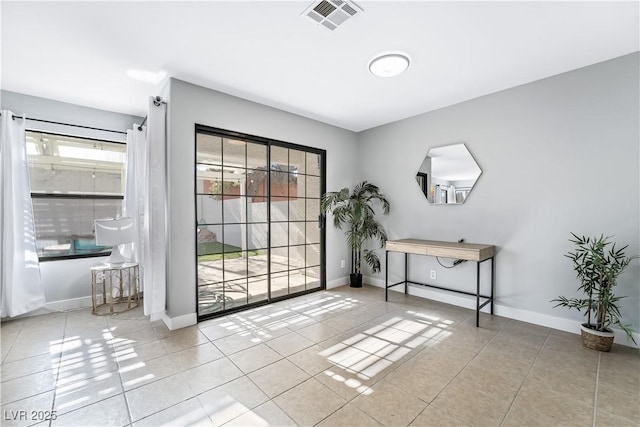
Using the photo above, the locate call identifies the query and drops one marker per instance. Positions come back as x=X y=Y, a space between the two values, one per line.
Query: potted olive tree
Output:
x=355 y=210
x=597 y=263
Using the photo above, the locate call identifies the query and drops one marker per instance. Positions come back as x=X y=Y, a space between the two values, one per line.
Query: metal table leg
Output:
x=493 y=280
x=406 y=269
x=386 y=275
x=477 y=294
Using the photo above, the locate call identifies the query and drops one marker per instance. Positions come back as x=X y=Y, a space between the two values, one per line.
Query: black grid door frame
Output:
x=268 y=143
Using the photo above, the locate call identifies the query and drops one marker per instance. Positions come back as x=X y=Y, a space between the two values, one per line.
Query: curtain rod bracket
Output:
x=142 y=124
x=157 y=101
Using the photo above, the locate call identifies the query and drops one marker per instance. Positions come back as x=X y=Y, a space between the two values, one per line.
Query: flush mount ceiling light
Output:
x=389 y=64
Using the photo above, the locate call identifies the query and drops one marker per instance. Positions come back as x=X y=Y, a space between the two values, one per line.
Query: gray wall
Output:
x=557 y=155
x=190 y=104
x=56 y=111
x=67 y=279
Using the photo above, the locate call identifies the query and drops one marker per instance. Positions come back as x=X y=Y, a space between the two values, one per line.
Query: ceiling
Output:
x=268 y=52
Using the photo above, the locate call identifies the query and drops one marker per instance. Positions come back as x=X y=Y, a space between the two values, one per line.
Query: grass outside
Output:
x=213 y=251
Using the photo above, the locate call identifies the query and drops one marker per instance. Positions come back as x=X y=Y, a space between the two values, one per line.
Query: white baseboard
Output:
x=621 y=338
x=85 y=302
x=540 y=319
x=340 y=281
x=60 y=306
x=67 y=304
x=157 y=316
x=373 y=281
x=178 y=322
x=559 y=323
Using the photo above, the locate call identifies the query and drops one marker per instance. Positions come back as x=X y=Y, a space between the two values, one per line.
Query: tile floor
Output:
x=334 y=358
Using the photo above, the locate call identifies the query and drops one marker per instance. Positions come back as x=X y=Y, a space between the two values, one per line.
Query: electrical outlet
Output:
x=341 y=263
x=433 y=275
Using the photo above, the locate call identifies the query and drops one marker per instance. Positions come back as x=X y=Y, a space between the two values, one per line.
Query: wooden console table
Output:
x=466 y=251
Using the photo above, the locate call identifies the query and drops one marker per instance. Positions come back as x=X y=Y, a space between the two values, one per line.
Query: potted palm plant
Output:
x=597 y=263
x=355 y=209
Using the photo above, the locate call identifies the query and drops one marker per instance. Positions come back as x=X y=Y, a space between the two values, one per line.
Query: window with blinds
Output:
x=73 y=181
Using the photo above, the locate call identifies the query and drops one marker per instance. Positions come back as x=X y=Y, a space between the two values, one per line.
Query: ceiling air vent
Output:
x=332 y=13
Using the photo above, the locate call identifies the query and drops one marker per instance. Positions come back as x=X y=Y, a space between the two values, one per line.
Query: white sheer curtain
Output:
x=134 y=194
x=145 y=199
x=20 y=269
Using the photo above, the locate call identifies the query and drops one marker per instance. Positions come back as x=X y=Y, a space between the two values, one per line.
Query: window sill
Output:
x=46 y=258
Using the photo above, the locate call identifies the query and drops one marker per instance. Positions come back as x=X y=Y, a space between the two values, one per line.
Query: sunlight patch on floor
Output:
x=366 y=354
x=262 y=324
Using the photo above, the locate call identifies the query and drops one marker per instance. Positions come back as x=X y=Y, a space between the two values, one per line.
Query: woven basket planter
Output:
x=596 y=340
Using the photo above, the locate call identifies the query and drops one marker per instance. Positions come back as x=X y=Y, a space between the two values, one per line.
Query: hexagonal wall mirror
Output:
x=447 y=175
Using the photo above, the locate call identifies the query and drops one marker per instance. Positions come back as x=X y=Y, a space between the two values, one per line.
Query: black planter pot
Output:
x=356 y=280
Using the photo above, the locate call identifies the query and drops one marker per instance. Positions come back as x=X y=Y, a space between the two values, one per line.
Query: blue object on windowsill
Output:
x=87 y=246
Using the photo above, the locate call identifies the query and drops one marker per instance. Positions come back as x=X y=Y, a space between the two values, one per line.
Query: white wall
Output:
x=256 y=233
x=189 y=104
x=67 y=283
x=557 y=155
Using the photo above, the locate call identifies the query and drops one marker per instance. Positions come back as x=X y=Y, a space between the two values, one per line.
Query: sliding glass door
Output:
x=295 y=231
x=258 y=227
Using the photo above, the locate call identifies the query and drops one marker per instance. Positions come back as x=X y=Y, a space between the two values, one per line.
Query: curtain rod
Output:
x=68 y=124
x=143 y=122
x=156 y=101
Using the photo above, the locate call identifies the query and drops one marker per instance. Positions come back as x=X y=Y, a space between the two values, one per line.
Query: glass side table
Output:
x=114 y=288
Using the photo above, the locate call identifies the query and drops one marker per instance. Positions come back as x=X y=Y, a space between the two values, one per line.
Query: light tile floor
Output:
x=333 y=358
